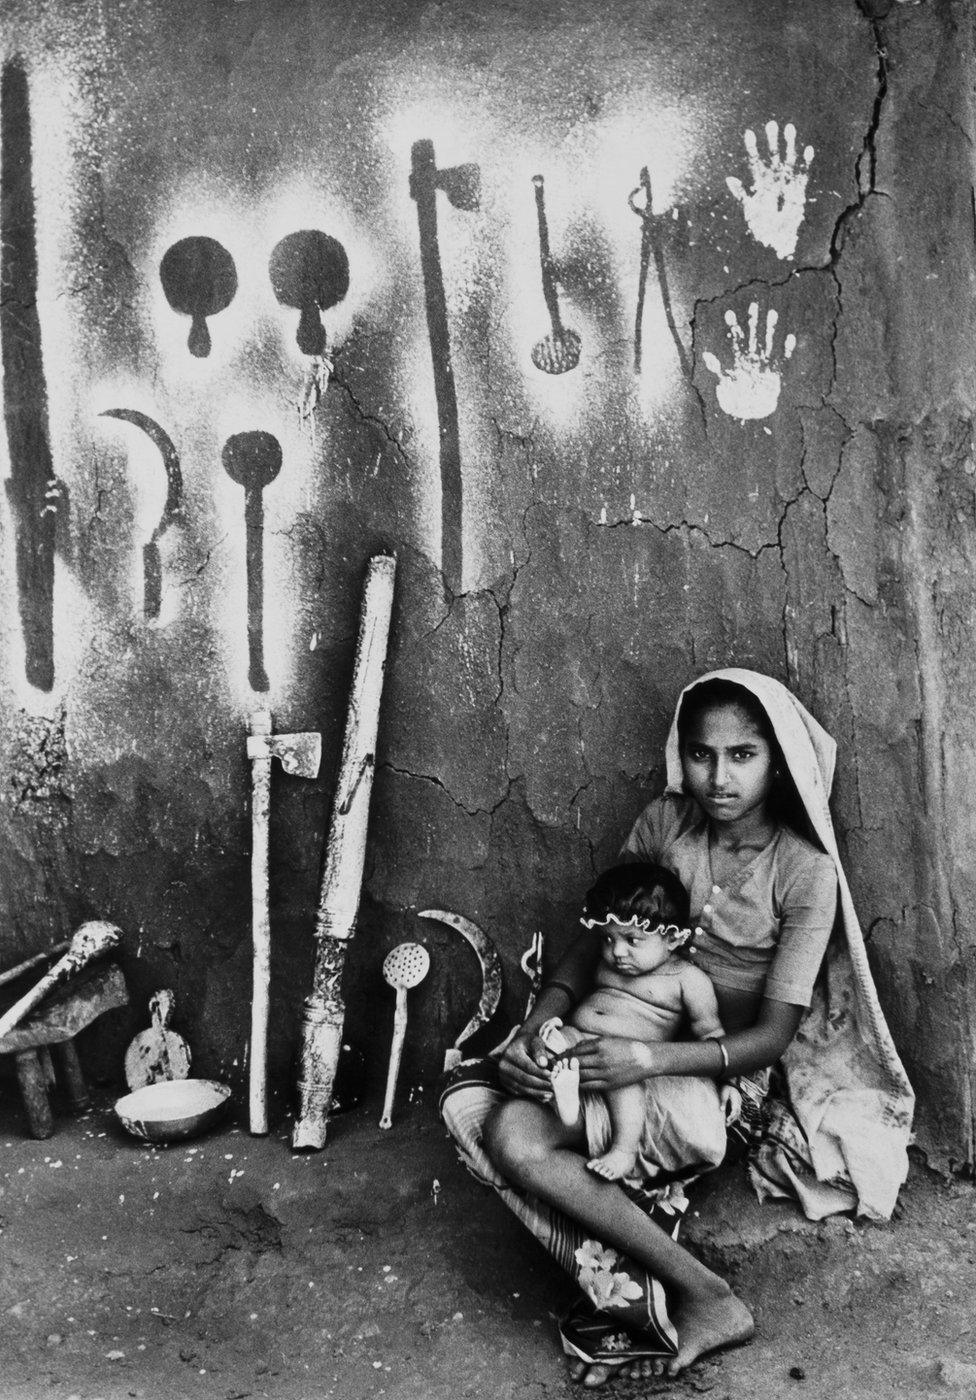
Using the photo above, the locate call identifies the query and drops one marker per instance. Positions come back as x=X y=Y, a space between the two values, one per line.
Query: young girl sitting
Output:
x=643 y=990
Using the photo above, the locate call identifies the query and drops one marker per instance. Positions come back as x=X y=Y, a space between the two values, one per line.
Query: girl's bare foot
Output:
x=706 y=1324
x=565 y=1079
x=613 y=1164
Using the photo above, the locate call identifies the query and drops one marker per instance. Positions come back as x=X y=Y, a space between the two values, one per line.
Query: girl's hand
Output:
x=524 y=1067
x=609 y=1062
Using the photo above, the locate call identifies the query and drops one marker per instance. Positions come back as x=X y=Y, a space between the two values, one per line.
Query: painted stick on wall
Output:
x=253 y=460
x=559 y=350
x=641 y=202
x=462 y=186
x=35 y=494
x=199 y=279
x=342 y=872
x=152 y=581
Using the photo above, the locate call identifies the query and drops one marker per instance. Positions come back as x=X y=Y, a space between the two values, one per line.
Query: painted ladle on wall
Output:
x=199 y=279
x=253 y=460
x=309 y=271
x=559 y=351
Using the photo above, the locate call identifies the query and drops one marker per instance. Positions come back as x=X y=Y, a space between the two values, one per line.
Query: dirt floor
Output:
x=228 y=1267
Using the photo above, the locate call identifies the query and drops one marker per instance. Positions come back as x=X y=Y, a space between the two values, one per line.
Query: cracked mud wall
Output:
x=647 y=514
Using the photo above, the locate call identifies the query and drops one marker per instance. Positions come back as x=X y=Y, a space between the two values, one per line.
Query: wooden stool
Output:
x=43 y=1046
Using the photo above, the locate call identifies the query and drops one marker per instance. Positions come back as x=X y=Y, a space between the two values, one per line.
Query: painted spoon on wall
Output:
x=253 y=460
x=559 y=351
x=200 y=280
x=309 y=270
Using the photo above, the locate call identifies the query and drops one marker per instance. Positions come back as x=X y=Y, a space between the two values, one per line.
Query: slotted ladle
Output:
x=404 y=967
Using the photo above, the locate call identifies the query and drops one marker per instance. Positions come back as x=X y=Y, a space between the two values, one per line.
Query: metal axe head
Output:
x=299 y=754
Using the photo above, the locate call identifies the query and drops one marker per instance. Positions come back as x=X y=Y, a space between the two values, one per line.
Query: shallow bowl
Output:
x=172 y=1109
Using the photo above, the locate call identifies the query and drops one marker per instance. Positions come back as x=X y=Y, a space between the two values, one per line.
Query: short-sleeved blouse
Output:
x=766 y=929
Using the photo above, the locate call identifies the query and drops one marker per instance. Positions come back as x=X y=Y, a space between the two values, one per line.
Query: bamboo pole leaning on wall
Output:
x=342 y=872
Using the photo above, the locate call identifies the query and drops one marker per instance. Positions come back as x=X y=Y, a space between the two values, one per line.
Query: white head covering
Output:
x=849 y=1095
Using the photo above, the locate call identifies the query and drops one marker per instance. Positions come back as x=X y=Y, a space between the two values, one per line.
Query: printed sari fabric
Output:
x=623 y=1313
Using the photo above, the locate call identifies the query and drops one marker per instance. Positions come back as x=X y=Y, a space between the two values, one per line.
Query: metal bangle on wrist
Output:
x=724 y=1067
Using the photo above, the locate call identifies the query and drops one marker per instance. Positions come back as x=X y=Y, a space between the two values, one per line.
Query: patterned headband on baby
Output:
x=641 y=925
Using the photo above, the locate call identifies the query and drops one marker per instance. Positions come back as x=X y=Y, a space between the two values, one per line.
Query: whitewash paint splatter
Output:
x=775 y=205
x=750 y=388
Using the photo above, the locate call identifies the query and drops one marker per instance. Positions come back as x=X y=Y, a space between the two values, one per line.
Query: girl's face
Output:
x=727 y=765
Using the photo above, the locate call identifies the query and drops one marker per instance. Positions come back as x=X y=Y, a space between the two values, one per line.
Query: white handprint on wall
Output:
x=750 y=388
x=774 y=206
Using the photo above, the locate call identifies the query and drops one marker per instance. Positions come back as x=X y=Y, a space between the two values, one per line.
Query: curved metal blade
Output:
x=491 y=968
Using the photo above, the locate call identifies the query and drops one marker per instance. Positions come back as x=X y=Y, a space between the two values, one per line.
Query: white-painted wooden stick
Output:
x=260 y=928
x=342 y=874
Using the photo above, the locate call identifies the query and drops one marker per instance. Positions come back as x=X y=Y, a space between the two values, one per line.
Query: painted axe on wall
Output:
x=300 y=755
x=462 y=186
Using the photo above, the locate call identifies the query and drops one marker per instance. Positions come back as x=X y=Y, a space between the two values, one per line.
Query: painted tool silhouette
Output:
x=559 y=351
x=253 y=460
x=199 y=279
x=641 y=202
x=36 y=496
x=462 y=186
x=309 y=271
x=152 y=584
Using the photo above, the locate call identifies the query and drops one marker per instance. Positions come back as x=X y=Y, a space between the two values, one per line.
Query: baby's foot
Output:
x=613 y=1164
x=564 y=1077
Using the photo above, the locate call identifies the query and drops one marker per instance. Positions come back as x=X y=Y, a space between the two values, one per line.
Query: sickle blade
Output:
x=491 y=974
x=171 y=460
x=151 y=565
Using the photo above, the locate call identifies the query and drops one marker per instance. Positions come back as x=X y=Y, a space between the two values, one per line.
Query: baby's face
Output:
x=633 y=951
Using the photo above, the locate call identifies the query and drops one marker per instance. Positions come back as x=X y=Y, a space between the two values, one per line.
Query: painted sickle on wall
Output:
x=151 y=567
x=491 y=976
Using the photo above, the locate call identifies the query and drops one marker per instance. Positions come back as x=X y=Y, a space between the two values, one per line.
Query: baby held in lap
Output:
x=643 y=991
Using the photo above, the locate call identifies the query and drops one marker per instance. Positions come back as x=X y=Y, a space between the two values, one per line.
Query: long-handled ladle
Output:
x=404 y=967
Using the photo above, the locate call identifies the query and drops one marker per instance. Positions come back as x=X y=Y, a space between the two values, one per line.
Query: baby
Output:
x=643 y=991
